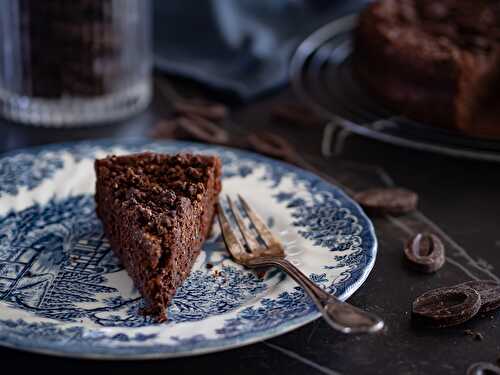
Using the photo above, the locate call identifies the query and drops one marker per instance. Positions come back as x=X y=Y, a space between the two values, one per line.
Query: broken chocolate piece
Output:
x=296 y=114
x=425 y=253
x=477 y=336
x=202 y=130
x=387 y=201
x=444 y=307
x=209 y=110
x=489 y=290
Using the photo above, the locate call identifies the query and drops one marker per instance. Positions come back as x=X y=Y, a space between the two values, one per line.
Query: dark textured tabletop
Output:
x=458 y=200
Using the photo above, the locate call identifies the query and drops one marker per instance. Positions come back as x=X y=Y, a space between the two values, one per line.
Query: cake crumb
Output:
x=261 y=274
x=477 y=336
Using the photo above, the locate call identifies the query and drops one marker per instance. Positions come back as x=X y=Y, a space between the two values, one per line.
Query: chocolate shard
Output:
x=296 y=114
x=425 y=253
x=489 y=290
x=201 y=108
x=444 y=307
x=387 y=201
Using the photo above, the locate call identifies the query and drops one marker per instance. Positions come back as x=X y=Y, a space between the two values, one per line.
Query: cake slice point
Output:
x=157 y=210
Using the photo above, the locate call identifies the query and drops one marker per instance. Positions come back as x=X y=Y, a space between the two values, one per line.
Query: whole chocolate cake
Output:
x=433 y=61
x=157 y=210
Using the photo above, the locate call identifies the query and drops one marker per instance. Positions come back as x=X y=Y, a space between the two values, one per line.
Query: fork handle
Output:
x=342 y=316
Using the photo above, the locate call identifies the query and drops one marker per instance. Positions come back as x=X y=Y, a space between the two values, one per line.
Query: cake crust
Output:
x=156 y=211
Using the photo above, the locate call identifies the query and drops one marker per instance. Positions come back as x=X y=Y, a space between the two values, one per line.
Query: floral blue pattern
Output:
x=26 y=170
x=57 y=268
x=64 y=259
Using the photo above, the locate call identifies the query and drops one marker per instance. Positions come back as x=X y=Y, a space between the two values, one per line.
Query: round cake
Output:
x=433 y=61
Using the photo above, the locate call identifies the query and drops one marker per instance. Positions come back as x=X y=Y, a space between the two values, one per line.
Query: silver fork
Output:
x=340 y=315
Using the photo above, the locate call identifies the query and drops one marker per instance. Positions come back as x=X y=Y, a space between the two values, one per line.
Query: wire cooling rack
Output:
x=321 y=75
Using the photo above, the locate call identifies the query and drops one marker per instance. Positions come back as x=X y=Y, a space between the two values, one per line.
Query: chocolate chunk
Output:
x=270 y=144
x=296 y=114
x=425 y=253
x=165 y=129
x=200 y=129
x=444 y=307
x=489 y=290
x=477 y=336
x=201 y=108
x=390 y=201
x=483 y=368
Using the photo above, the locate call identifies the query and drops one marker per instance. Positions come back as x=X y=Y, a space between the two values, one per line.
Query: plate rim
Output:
x=222 y=344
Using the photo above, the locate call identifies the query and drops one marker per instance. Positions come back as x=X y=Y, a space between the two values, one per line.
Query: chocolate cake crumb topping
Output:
x=157 y=210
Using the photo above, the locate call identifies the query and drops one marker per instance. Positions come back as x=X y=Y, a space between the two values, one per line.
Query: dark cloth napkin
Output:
x=242 y=47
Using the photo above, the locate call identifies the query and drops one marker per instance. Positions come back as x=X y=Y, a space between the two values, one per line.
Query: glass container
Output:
x=78 y=62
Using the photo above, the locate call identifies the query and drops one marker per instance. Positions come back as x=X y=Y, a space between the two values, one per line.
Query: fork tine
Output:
x=232 y=243
x=247 y=236
x=258 y=223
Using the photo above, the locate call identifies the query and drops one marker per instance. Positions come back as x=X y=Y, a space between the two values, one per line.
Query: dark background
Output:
x=460 y=196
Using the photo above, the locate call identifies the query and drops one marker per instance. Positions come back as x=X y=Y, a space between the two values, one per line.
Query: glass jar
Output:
x=75 y=62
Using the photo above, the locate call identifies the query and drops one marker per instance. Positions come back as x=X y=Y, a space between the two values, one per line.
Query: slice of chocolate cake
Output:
x=157 y=210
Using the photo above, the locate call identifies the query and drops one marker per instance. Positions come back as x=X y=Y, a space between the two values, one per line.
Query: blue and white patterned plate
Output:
x=62 y=292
